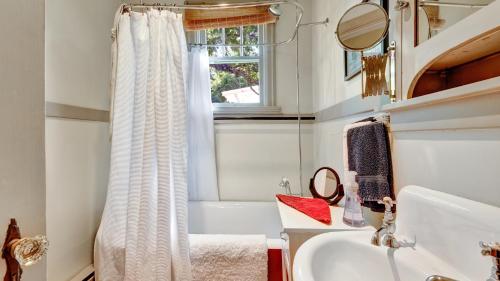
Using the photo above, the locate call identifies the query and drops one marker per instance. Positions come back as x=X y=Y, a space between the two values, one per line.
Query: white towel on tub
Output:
x=217 y=257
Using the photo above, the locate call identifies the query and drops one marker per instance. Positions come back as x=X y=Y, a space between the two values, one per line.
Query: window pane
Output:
x=214 y=37
x=233 y=37
x=235 y=82
x=251 y=36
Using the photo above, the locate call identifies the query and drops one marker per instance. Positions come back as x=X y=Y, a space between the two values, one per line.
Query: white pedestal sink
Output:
x=440 y=235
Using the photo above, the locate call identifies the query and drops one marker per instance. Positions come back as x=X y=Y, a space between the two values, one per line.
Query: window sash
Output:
x=221 y=60
x=266 y=67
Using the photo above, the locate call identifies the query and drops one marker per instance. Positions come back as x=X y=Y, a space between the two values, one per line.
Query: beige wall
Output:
x=22 y=164
x=77 y=71
x=78 y=47
x=328 y=85
x=286 y=82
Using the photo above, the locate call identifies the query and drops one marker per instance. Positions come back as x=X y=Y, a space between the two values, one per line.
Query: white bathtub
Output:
x=206 y=217
x=224 y=217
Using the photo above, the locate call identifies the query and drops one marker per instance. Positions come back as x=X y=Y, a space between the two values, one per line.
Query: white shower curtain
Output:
x=202 y=171
x=143 y=234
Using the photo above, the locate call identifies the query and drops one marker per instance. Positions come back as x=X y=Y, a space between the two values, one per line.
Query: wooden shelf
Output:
x=474 y=60
x=484 y=45
x=489 y=86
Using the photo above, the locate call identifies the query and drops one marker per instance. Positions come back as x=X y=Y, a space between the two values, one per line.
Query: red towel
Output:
x=274 y=268
x=316 y=208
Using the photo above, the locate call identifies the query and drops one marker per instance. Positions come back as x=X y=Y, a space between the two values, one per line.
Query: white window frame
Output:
x=266 y=62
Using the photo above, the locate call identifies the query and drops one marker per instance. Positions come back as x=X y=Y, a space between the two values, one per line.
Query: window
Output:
x=241 y=77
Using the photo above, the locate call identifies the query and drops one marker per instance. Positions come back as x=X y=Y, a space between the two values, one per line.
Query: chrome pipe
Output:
x=324 y=22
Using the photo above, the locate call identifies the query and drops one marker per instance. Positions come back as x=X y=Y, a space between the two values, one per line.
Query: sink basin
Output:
x=349 y=256
x=439 y=233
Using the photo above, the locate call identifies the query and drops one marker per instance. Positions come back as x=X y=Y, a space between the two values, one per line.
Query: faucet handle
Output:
x=388 y=202
x=285 y=183
x=388 y=217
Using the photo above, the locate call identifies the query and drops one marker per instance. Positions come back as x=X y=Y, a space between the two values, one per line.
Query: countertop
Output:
x=294 y=221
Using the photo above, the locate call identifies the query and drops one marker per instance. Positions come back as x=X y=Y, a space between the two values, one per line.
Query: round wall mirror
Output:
x=325 y=184
x=362 y=27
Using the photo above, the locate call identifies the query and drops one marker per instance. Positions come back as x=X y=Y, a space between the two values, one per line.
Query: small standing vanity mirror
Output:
x=361 y=28
x=325 y=184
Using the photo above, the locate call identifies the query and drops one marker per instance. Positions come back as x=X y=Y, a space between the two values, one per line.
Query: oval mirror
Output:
x=325 y=184
x=362 y=27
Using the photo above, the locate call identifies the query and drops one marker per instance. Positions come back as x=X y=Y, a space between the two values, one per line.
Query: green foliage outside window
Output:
x=225 y=77
x=234 y=75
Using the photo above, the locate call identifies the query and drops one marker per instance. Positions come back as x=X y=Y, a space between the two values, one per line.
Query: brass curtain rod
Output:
x=211 y=6
x=298 y=6
x=323 y=22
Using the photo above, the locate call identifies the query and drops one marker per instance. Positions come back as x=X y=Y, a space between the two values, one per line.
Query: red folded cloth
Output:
x=316 y=208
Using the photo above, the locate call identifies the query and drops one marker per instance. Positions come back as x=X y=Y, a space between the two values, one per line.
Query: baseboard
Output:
x=86 y=274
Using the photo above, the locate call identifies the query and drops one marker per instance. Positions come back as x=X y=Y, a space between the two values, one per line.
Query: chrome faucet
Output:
x=285 y=183
x=386 y=231
x=492 y=250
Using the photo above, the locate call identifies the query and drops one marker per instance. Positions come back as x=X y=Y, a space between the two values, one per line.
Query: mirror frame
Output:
x=337 y=195
x=386 y=31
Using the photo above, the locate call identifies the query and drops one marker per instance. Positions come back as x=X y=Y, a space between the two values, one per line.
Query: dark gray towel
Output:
x=369 y=155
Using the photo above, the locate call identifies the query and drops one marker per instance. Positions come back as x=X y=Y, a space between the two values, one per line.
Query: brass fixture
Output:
x=19 y=251
x=492 y=250
x=386 y=232
x=401 y=5
x=438 y=278
x=373 y=68
x=362 y=27
x=378 y=74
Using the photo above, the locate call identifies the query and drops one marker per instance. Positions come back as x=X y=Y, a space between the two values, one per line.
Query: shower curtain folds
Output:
x=143 y=234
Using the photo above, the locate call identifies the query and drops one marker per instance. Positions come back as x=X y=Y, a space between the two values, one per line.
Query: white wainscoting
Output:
x=252 y=158
x=451 y=146
x=77 y=156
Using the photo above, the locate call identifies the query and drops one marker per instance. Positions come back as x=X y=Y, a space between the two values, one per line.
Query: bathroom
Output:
x=440 y=108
